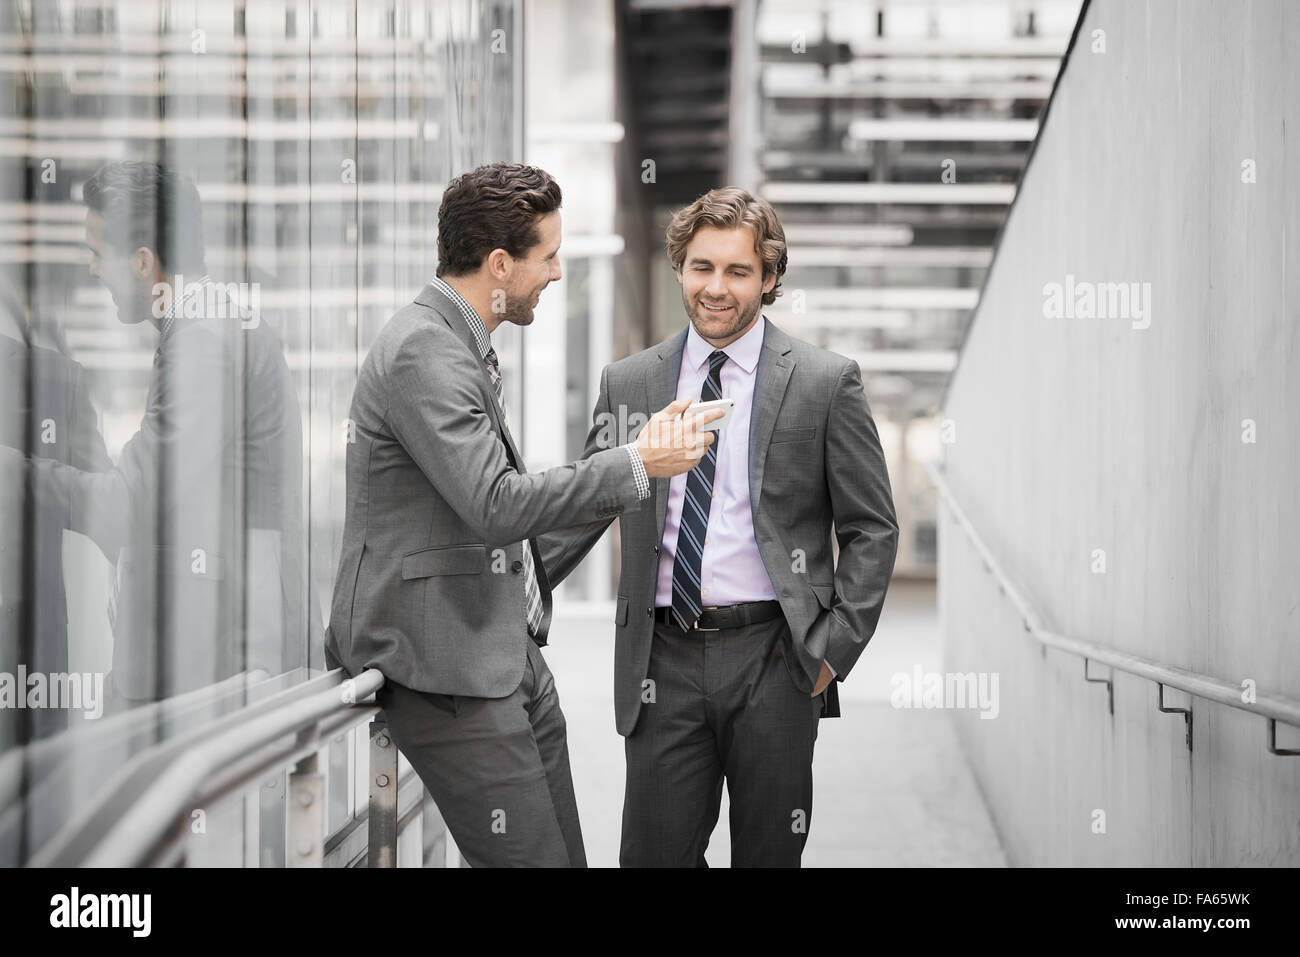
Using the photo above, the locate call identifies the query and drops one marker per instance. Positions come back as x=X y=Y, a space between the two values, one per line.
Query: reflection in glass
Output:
x=172 y=493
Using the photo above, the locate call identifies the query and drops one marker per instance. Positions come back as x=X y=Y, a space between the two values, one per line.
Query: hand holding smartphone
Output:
x=726 y=405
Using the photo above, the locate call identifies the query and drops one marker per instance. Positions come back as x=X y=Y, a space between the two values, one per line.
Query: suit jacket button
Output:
x=650 y=612
x=656 y=549
x=516 y=566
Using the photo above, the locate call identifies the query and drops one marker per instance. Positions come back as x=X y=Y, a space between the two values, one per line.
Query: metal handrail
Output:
x=70 y=844
x=173 y=724
x=1275 y=708
x=181 y=770
x=289 y=751
x=23 y=767
x=152 y=816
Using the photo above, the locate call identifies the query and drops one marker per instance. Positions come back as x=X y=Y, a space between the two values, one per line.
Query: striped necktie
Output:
x=532 y=592
x=695 y=515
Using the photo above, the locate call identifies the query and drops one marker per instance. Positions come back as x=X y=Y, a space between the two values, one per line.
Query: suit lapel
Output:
x=661 y=388
x=450 y=313
x=771 y=379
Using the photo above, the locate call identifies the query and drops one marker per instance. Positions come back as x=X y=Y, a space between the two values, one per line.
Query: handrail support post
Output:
x=1272 y=741
x=1108 y=682
x=1185 y=712
x=382 y=851
x=306 y=813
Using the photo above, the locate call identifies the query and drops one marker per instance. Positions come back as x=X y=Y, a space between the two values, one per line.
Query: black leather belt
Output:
x=727 y=616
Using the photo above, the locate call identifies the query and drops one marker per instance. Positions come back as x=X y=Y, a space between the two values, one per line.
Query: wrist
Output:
x=639 y=475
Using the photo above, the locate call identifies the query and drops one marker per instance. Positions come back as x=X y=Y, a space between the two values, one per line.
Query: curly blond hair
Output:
x=728 y=208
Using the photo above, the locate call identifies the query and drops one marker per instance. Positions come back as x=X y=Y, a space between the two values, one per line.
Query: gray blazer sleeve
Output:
x=436 y=412
x=865 y=526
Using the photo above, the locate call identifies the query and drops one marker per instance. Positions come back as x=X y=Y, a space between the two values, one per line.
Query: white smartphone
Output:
x=726 y=405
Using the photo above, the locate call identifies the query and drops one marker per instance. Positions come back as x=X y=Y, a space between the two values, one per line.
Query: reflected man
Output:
x=201 y=514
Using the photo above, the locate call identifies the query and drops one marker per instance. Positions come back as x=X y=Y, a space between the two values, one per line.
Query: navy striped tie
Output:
x=695 y=515
x=532 y=591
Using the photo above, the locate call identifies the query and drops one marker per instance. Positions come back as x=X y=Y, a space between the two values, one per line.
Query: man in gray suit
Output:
x=439 y=585
x=201 y=514
x=733 y=619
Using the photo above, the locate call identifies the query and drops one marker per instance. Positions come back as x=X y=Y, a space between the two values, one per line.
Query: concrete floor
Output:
x=891 y=786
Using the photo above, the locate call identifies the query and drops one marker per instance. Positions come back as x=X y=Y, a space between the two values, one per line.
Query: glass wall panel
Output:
x=208 y=209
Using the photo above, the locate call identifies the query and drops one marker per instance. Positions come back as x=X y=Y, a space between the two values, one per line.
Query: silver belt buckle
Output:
x=696 y=626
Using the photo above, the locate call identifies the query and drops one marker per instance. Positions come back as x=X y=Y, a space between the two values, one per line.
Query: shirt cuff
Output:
x=638 y=472
x=830 y=667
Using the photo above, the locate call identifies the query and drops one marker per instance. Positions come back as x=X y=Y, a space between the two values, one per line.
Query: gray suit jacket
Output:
x=815 y=462
x=430 y=584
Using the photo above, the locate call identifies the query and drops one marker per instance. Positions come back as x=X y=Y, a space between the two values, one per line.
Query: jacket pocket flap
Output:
x=448 y=560
x=792 y=435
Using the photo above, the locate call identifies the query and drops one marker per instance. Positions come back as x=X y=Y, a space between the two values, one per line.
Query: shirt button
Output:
x=706 y=539
x=704 y=591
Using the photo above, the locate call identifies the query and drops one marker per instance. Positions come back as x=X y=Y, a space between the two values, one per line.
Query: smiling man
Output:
x=439 y=586
x=733 y=620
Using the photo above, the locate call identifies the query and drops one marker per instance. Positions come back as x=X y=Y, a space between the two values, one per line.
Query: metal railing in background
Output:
x=142 y=817
x=1274 y=708
x=35 y=775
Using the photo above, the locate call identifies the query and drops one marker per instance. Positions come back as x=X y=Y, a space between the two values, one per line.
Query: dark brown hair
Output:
x=492 y=207
x=729 y=208
x=146 y=204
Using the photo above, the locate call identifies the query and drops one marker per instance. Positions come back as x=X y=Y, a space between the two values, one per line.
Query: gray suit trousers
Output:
x=729 y=703
x=498 y=768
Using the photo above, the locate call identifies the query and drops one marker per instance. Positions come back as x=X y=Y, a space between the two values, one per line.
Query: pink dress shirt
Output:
x=732 y=569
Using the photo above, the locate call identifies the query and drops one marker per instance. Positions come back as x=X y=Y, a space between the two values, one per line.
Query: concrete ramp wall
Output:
x=1123 y=429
